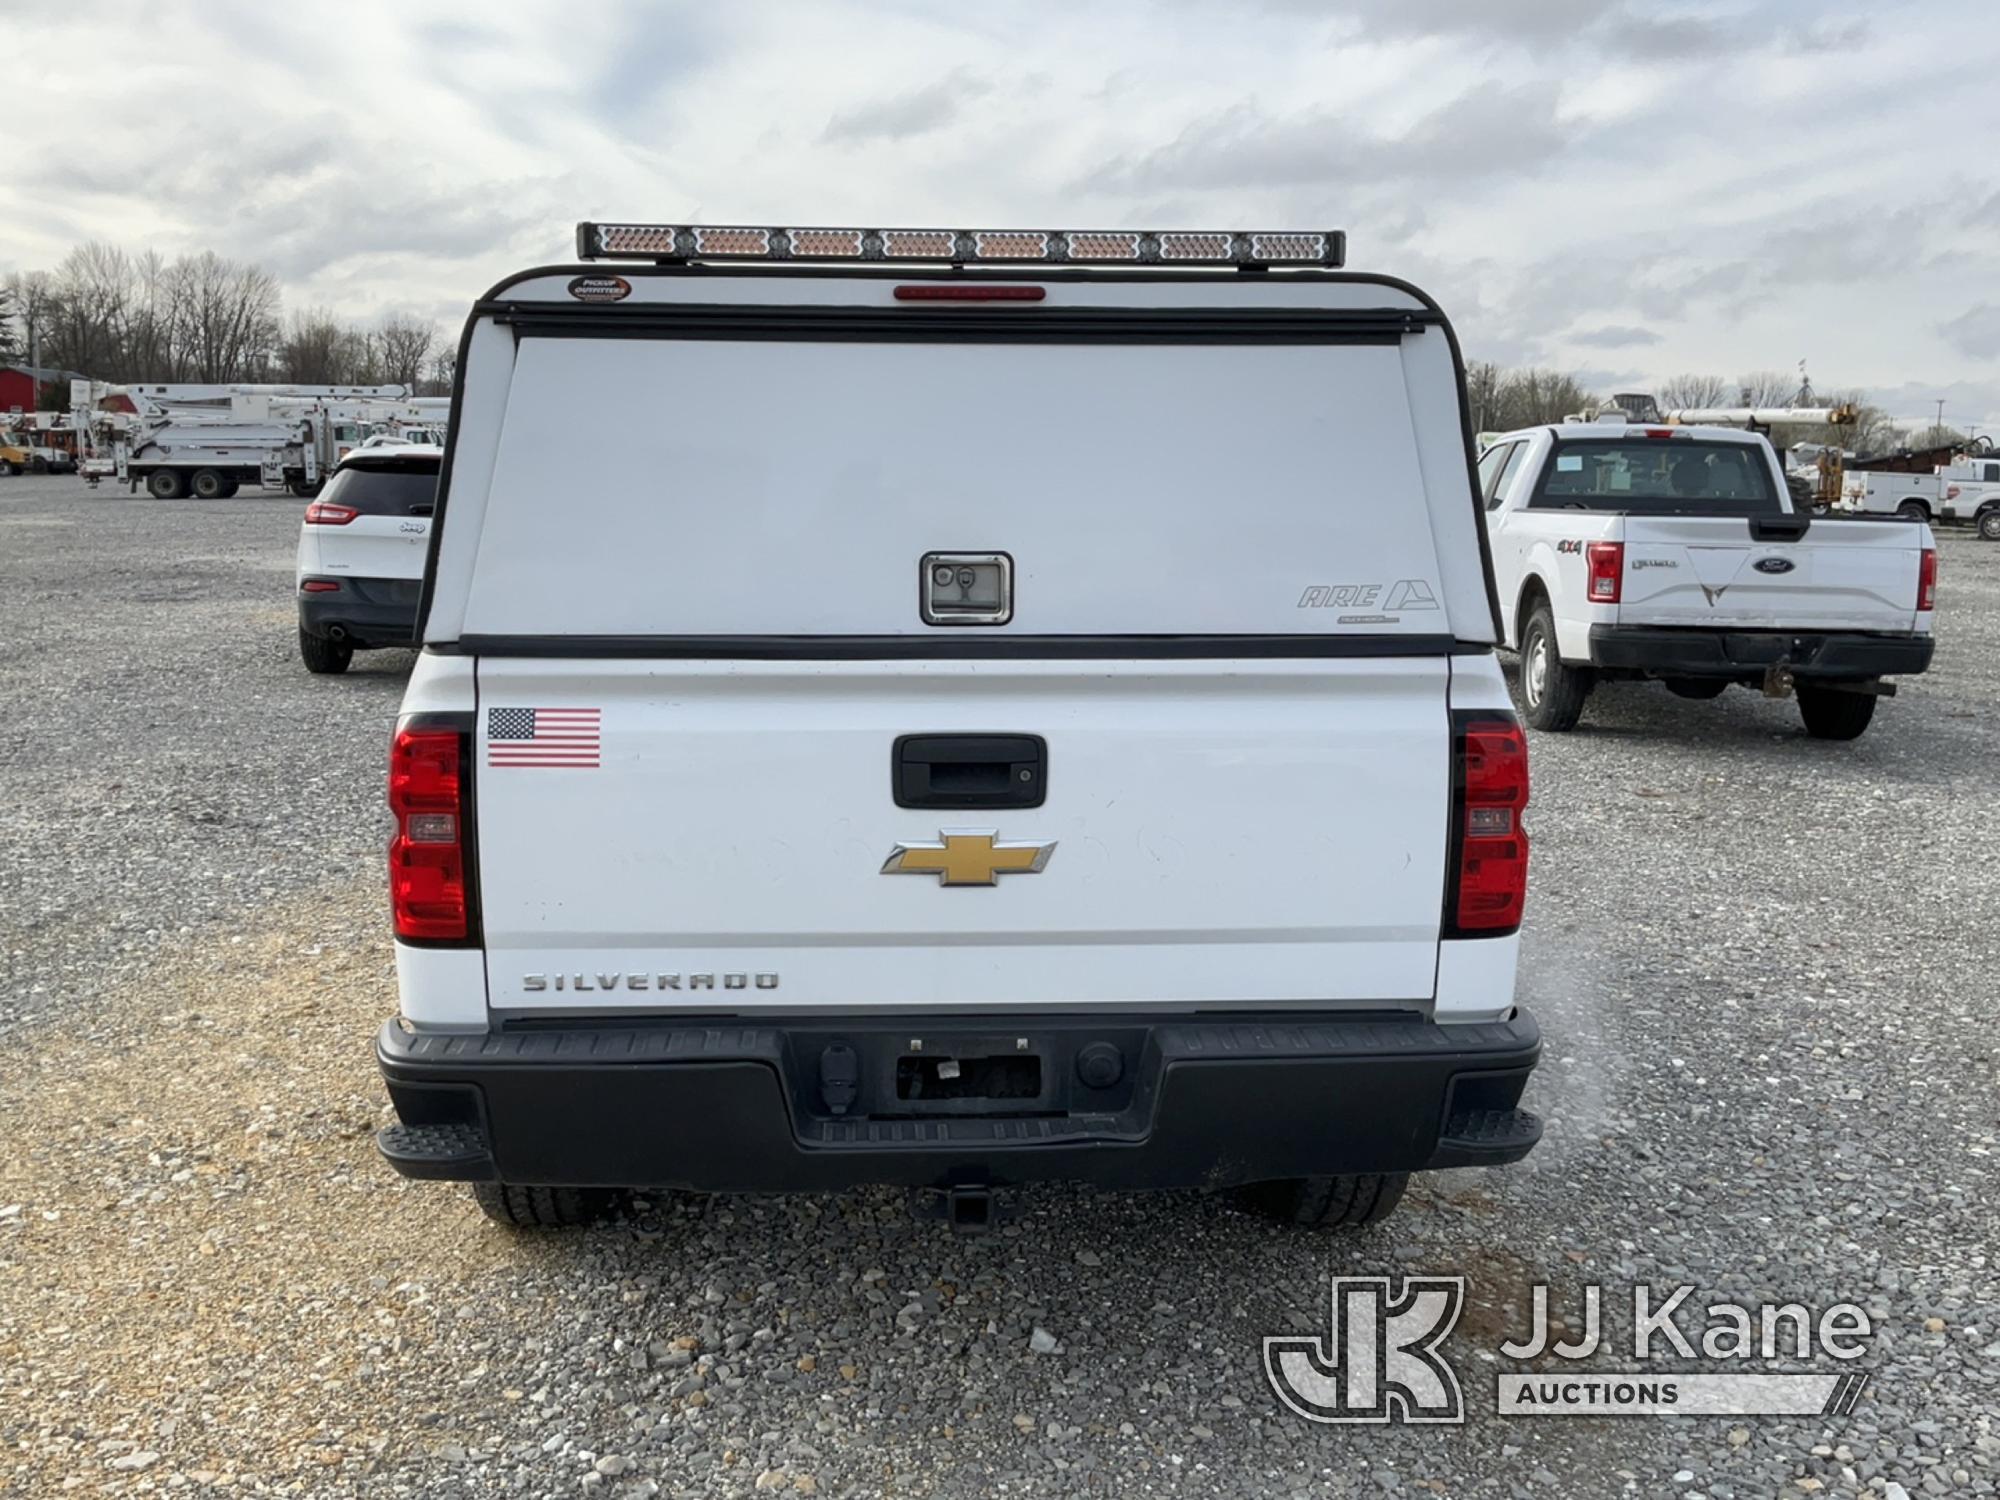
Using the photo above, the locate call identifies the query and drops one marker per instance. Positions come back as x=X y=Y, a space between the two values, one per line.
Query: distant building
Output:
x=17 y=385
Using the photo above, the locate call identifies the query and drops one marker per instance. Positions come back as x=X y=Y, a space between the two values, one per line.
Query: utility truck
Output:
x=1674 y=553
x=1970 y=493
x=210 y=440
x=989 y=706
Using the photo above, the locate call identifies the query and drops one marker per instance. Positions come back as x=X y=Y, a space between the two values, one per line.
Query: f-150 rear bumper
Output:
x=757 y=1106
x=1826 y=655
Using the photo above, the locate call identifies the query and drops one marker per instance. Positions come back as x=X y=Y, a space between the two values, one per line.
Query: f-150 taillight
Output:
x=1607 y=571
x=430 y=792
x=1486 y=884
x=1927 y=580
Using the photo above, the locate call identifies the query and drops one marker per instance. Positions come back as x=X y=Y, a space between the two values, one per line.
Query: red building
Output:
x=17 y=387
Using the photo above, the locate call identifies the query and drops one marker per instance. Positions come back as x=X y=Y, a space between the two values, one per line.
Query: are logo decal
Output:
x=600 y=288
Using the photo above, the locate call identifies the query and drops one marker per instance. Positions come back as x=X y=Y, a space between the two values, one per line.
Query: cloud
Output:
x=904 y=115
x=1613 y=336
x=1974 y=332
x=1489 y=126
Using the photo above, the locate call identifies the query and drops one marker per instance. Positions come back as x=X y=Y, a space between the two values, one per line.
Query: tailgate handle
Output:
x=1780 y=528
x=969 y=770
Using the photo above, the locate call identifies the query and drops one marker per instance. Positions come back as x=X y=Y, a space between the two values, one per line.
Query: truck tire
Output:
x=1913 y=510
x=542 y=1207
x=1698 y=688
x=1329 y=1202
x=1831 y=714
x=1989 y=524
x=323 y=658
x=1552 y=693
x=38 y=465
x=207 y=484
x=7 y=467
x=165 y=484
x=230 y=487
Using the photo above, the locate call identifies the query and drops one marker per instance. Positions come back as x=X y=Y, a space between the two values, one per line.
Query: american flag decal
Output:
x=543 y=737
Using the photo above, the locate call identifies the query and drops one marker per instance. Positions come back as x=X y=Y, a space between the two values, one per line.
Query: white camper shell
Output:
x=957 y=724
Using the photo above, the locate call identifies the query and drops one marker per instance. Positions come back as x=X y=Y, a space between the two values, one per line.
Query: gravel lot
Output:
x=1764 y=965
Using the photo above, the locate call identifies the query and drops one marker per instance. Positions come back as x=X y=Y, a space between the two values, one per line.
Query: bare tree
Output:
x=444 y=372
x=1482 y=392
x=1694 y=392
x=405 y=346
x=1528 y=398
x=319 y=349
x=33 y=298
x=1768 y=388
x=10 y=337
x=224 y=317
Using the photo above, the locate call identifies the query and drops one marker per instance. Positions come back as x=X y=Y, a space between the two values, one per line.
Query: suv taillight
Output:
x=325 y=513
x=1607 y=571
x=1927 y=579
x=430 y=793
x=1486 y=884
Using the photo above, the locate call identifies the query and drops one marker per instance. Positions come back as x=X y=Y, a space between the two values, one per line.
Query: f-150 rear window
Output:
x=1658 y=477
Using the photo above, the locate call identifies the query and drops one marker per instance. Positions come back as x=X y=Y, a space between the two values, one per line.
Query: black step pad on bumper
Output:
x=745 y=1108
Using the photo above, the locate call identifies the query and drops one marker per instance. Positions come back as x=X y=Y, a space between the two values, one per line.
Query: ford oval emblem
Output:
x=1775 y=565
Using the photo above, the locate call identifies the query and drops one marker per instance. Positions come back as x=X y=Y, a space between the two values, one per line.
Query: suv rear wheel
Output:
x=1552 y=694
x=543 y=1207
x=1328 y=1202
x=322 y=656
x=1831 y=714
x=165 y=484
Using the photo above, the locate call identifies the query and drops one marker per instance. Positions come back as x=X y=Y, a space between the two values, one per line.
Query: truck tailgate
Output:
x=1224 y=831
x=1841 y=575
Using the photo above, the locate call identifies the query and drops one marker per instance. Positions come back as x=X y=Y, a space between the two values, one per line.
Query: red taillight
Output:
x=427 y=856
x=1927 y=579
x=1607 y=571
x=967 y=291
x=1488 y=880
x=1659 y=432
x=325 y=513
x=319 y=586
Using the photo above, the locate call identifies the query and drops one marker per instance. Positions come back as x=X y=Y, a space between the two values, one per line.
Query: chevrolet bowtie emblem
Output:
x=968 y=856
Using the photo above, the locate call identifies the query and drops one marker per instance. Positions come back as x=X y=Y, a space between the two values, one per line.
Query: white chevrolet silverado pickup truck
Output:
x=985 y=707
x=1674 y=553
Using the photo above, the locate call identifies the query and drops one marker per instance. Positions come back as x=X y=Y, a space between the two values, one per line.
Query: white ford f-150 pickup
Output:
x=984 y=707
x=1674 y=553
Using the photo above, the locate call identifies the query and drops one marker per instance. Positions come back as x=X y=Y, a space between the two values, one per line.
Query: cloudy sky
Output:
x=1626 y=190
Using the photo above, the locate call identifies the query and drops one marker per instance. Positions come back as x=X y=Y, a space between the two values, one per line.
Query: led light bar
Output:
x=1196 y=247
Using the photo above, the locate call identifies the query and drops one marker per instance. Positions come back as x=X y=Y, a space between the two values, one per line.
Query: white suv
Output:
x=963 y=719
x=361 y=554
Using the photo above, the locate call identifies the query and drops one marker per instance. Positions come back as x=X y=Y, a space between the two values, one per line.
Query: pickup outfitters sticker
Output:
x=600 y=288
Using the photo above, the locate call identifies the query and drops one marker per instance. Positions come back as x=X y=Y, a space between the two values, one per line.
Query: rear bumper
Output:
x=744 y=1107
x=363 y=612
x=1668 y=652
